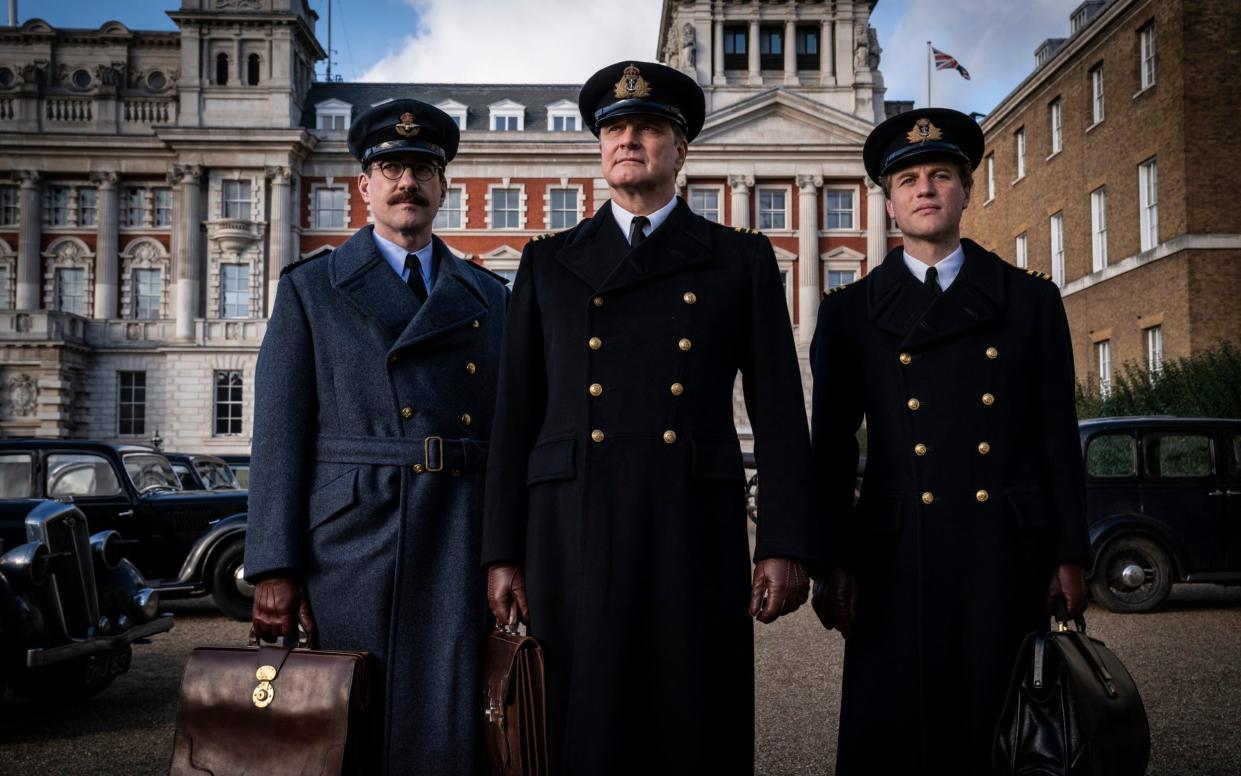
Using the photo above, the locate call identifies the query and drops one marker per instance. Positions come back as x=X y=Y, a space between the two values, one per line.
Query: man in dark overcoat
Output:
x=615 y=519
x=971 y=517
x=373 y=406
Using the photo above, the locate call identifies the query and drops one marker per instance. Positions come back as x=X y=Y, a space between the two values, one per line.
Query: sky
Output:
x=564 y=41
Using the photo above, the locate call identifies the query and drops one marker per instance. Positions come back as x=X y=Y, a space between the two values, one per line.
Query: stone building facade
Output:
x=1108 y=168
x=157 y=182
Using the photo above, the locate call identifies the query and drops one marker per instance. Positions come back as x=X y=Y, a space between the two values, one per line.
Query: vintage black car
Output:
x=187 y=543
x=202 y=472
x=71 y=606
x=240 y=464
x=1163 y=498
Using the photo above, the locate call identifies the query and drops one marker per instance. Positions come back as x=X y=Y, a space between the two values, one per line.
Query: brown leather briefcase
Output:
x=515 y=733
x=273 y=710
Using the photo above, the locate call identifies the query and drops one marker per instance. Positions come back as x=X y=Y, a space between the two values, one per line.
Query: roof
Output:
x=1131 y=421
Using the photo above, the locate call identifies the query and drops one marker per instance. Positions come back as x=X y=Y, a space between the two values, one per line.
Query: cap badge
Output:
x=632 y=85
x=406 y=126
x=923 y=131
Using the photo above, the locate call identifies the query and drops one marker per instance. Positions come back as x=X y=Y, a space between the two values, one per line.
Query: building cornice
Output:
x=1184 y=242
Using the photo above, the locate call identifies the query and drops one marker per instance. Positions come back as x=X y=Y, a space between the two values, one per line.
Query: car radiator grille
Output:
x=71 y=583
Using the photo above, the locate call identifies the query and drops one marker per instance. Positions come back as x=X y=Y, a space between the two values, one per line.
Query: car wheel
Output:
x=72 y=680
x=227 y=584
x=1132 y=574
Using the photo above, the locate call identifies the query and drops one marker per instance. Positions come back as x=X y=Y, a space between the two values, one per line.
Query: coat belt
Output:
x=432 y=453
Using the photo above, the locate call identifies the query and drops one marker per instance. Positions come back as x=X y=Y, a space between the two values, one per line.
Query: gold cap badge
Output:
x=632 y=85
x=406 y=126
x=923 y=131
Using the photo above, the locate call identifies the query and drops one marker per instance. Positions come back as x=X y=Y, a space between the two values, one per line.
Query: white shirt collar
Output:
x=395 y=256
x=624 y=217
x=946 y=269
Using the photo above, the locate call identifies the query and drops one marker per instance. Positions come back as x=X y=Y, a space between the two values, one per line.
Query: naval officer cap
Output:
x=629 y=88
x=404 y=127
x=916 y=135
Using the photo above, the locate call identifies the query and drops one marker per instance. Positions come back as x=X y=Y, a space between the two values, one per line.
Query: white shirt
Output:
x=624 y=218
x=946 y=269
x=395 y=256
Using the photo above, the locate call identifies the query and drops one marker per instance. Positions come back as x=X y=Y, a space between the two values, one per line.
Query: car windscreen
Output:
x=216 y=475
x=149 y=471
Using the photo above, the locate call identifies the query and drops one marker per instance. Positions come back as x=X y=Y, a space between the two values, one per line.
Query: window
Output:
x=8 y=205
x=1098 y=227
x=329 y=208
x=227 y=402
x=236 y=199
x=839 y=209
x=1020 y=137
x=131 y=210
x=1177 y=455
x=1021 y=257
x=71 y=290
x=147 y=292
x=88 y=208
x=163 y=206
x=451 y=214
x=562 y=123
x=1154 y=350
x=1103 y=356
x=504 y=123
x=1111 y=456
x=333 y=121
x=1148 y=204
x=5 y=302
x=456 y=111
x=563 y=212
x=839 y=277
x=15 y=475
x=252 y=69
x=80 y=475
x=235 y=290
x=807 y=48
x=58 y=199
x=221 y=69
x=333 y=115
x=705 y=202
x=771 y=209
x=1096 y=94
x=1057 y=249
x=131 y=403
x=736 y=48
x=505 y=208
x=990 y=177
x=771 y=48
x=1146 y=39
x=1057 y=140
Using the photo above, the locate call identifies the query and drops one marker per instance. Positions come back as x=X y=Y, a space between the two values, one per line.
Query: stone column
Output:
x=717 y=56
x=826 y=73
x=756 y=73
x=107 y=247
x=188 y=256
x=741 y=198
x=280 y=231
x=30 y=233
x=808 y=281
x=876 y=226
x=844 y=43
x=790 y=52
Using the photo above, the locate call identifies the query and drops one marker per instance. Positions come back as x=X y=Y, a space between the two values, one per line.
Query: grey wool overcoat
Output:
x=372 y=414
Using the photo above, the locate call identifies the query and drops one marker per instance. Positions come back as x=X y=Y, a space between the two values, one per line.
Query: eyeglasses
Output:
x=393 y=170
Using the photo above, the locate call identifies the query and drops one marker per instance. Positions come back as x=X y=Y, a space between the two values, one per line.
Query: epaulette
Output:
x=290 y=267
x=834 y=290
x=543 y=236
x=1037 y=274
x=746 y=230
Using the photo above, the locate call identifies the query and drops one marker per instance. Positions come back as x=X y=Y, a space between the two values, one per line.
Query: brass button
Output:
x=596 y=435
x=913 y=404
x=690 y=297
x=919 y=449
x=988 y=399
x=466 y=419
x=418 y=468
x=993 y=353
x=982 y=495
x=685 y=344
x=677 y=389
x=596 y=389
x=598 y=300
x=983 y=448
x=928 y=497
x=392 y=359
x=595 y=343
x=407 y=412
x=670 y=436
x=475 y=324
x=471 y=368
x=906 y=358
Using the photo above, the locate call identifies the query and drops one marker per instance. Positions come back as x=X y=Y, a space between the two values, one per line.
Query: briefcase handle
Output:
x=303 y=640
x=1061 y=612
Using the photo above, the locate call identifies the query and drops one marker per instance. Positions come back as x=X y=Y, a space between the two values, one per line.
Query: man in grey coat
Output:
x=373 y=405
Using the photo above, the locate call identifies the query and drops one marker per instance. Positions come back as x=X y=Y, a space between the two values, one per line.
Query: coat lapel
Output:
x=681 y=241
x=455 y=300
x=360 y=272
x=895 y=301
x=974 y=299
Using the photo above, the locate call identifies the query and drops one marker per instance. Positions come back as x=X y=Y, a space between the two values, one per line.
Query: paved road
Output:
x=1186 y=660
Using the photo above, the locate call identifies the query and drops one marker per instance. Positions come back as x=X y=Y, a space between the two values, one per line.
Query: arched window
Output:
x=221 y=69
x=252 y=70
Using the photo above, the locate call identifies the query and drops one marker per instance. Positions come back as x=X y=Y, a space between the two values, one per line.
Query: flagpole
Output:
x=929 y=57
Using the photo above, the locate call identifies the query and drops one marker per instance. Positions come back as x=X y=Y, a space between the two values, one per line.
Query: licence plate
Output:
x=103 y=666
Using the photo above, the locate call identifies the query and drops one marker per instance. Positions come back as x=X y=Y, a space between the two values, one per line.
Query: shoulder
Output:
x=289 y=268
x=847 y=291
x=486 y=276
x=739 y=234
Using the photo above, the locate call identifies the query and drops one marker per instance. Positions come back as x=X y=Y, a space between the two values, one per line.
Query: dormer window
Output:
x=507 y=116
x=333 y=115
x=458 y=112
x=563 y=116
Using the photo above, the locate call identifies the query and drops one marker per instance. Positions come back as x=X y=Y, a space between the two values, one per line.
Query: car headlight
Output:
x=26 y=564
x=146 y=601
x=106 y=546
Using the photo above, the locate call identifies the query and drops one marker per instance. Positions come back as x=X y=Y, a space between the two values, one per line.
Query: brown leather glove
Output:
x=279 y=604
x=1068 y=581
x=780 y=586
x=835 y=601
x=506 y=594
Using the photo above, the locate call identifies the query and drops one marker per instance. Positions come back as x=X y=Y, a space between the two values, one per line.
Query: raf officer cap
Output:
x=404 y=126
x=914 y=135
x=628 y=88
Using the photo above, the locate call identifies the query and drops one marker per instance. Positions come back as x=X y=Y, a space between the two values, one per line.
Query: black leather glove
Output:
x=780 y=586
x=835 y=601
x=1068 y=582
x=280 y=603
x=506 y=594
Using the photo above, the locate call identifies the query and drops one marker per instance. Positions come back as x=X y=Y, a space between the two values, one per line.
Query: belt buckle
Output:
x=426 y=453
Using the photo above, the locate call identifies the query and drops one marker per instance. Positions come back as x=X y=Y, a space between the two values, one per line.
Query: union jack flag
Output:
x=948 y=62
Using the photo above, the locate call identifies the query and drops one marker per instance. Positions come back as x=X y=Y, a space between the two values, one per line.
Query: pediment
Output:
x=781 y=118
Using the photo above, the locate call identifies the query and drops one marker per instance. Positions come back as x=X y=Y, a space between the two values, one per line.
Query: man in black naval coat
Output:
x=615 y=511
x=972 y=513
x=374 y=391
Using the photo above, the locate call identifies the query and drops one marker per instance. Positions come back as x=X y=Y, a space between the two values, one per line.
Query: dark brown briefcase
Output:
x=273 y=710
x=515 y=733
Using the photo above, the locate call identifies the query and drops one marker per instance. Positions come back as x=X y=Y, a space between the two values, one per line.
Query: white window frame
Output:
x=1057 y=126
x=68 y=253
x=457 y=111
x=245 y=289
x=58 y=274
x=1148 y=203
x=144 y=253
x=462 y=209
x=1019 y=138
x=315 y=210
x=216 y=403
x=503 y=261
x=758 y=207
x=521 y=205
x=138 y=295
x=156 y=209
x=1103 y=362
x=717 y=190
x=990 y=176
x=1097 y=113
x=853 y=208
x=121 y=401
x=563 y=109
x=1098 y=228
x=244 y=202
x=127 y=219
x=1022 y=250
x=1057 y=247
x=506 y=109
x=1154 y=349
x=333 y=115
x=840 y=259
x=1147 y=61
x=579 y=203
x=7 y=279
x=10 y=206
x=83 y=221
x=66 y=217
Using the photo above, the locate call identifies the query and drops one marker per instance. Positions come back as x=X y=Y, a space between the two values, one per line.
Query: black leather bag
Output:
x=1072 y=710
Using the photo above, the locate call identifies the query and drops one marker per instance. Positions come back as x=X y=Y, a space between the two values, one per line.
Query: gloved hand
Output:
x=1068 y=581
x=780 y=585
x=506 y=594
x=835 y=601
x=279 y=604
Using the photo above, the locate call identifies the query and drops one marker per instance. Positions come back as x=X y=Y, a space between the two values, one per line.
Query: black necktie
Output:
x=932 y=281
x=636 y=233
x=415 y=277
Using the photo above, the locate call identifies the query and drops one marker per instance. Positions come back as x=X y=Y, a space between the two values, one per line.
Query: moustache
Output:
x=413 y=197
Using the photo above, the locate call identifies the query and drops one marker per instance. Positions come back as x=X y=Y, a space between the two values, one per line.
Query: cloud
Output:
x=520 y=41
